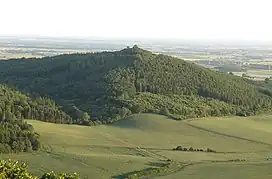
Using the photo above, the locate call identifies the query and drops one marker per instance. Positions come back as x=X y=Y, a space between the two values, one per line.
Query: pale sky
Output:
x=209 y=19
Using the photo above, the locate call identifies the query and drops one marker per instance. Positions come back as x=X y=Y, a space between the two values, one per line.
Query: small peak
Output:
x=135 y=47
x=134 y=50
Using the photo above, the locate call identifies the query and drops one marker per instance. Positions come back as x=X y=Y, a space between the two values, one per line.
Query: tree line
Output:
x=191 y=149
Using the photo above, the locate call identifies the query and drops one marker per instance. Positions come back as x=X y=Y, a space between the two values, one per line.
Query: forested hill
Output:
x=107 y=86
x=15 y=105
x=15 y=134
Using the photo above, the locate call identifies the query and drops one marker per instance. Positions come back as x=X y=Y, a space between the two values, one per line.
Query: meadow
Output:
x=243 y=148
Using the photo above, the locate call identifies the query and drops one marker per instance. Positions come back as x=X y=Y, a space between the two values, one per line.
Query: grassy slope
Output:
x=258 y=128
x=224 y=171
x=133 y=144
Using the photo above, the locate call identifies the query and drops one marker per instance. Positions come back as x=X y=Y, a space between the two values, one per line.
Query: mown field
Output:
x=243 y=148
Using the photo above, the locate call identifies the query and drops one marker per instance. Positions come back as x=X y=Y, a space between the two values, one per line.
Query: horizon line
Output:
x=133 y=38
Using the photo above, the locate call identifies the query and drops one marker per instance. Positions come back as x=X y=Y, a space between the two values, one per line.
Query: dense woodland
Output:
x=15 y=134
x=97 y=88
x=14 y=104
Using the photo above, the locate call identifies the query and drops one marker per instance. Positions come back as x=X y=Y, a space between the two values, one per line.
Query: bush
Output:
x=53 y=175
x=148 y=172
x=18 y=170
x=210 y=150
x=14 y=170
x=179 y=148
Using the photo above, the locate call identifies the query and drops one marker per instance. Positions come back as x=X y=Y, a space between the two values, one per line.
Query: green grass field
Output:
x=144 y=140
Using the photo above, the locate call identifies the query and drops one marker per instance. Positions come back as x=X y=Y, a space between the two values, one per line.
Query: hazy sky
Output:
x=242 y=19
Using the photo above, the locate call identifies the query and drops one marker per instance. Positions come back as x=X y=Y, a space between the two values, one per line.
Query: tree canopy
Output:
x=14 y=104
x=16 y=135
x=111 y=85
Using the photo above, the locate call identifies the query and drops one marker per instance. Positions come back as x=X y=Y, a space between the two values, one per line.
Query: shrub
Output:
x=179 y=148
x=18 y=170
x=148 y=172
x=53 y=175
x=9 y=169
x=210 y=150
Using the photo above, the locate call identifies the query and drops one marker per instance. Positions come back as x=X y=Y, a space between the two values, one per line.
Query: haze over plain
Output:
x=194 y=19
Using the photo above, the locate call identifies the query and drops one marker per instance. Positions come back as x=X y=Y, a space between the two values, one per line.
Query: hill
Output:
x=104 y=87
x=144 y=142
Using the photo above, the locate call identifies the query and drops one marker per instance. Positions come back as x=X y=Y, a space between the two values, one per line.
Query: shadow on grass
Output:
x=156 y=164
x=137 y=124
x=155 y=168
x=129 y=174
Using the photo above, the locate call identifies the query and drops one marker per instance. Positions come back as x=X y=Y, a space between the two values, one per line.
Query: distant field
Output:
x=5 y=56
x=139 y=142
x=194 y=57
x=264 y=62
x=257 y=74
x=9 y=53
